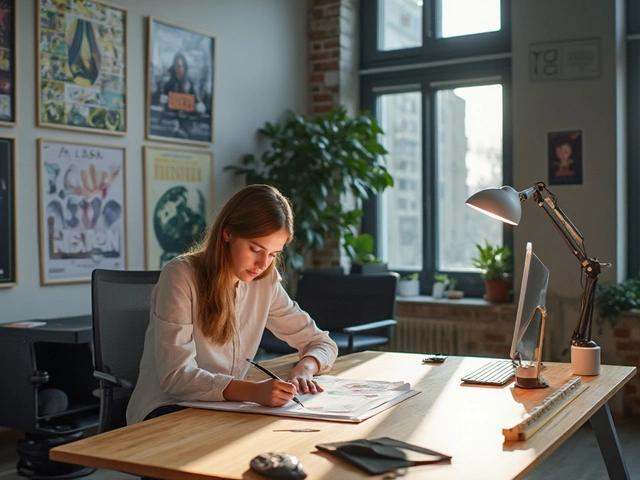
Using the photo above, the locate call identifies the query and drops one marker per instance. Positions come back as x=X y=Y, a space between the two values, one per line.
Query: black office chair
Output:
x=357 y=310
x=121 y=304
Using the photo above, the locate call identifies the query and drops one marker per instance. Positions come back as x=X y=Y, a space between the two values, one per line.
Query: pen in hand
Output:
x=275 y=377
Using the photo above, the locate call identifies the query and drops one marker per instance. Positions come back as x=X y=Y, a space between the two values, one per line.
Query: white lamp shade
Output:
x=502 y=203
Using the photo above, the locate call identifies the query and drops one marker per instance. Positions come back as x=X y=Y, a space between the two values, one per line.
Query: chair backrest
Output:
x=339 y=301
x=120 y=307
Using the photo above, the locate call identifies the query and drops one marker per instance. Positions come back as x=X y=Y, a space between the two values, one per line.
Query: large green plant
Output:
x=493 y=260
x=613 y=299
x=314 y=163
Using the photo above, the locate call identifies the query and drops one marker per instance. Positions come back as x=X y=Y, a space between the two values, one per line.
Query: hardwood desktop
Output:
x=464 y=421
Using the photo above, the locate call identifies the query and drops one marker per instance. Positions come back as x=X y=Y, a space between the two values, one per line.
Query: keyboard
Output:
x=497 y=372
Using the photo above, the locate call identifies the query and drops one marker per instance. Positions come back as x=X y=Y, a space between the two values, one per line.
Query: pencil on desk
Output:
x=275 y=377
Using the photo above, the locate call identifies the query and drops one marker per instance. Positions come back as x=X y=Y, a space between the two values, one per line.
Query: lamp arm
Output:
x=582 y=334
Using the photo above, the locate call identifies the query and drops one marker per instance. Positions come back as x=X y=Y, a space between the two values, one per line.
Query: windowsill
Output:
x=467 y=302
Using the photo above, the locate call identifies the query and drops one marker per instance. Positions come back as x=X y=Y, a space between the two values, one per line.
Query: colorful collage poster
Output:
x=82 y=66
x=177 y=199
x=7 y=62
x=82 y=210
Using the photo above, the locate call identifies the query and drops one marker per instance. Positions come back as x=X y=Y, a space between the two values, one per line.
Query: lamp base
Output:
x=585 y=360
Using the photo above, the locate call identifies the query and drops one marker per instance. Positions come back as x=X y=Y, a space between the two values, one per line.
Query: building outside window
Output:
x=443 y=110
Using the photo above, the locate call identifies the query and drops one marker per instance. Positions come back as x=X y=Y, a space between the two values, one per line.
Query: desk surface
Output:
x=59 y=330
x=463 y=421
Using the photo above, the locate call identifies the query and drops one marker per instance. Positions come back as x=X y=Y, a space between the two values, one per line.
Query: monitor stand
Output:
x=528 y=376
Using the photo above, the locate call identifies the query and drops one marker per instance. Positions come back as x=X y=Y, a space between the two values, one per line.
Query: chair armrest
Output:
x=107 y=377
x=370 y=326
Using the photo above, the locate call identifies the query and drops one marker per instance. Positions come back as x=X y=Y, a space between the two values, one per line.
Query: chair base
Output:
x=34 y=463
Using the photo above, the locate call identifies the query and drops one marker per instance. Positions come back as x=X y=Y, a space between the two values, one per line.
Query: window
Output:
x=633 y=138
x=446 y=125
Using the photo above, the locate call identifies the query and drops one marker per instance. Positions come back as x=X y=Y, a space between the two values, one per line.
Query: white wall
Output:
x=260 y=72
x=593 y=106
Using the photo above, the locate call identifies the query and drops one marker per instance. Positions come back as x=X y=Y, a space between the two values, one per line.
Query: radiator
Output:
x=420 y=335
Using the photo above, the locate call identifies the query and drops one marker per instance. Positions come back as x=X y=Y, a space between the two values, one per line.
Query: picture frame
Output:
x=8 y=214
x=178 y=194
x=8 y=63
x=81 y=210
x=564 y=151
x=180 y=84
x=81 y=51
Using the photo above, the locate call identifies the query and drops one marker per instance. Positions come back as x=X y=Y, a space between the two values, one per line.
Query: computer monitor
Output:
x=528 y=334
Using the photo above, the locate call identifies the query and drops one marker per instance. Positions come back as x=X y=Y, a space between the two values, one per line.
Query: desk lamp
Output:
x=504 y=204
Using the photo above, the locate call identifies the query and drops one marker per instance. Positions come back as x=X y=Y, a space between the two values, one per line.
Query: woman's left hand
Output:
x=302 y=376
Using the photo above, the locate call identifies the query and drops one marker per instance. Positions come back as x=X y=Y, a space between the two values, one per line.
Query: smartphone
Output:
x=435 y=358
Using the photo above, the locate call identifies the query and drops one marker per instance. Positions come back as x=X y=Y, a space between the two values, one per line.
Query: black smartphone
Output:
x=435 y=358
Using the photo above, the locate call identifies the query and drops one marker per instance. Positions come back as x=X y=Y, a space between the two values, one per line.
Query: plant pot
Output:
x=438 y=290
x=497 y=290
x=368 y=268
x=409 y=288
x=454 y=294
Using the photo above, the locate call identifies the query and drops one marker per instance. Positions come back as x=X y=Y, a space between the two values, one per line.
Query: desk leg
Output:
x=607 y=437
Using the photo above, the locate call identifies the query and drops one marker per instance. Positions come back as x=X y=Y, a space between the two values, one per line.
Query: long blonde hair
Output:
x=253 y=212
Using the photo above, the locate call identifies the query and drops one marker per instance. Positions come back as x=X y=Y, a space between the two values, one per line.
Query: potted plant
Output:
x=451 y=293
x=360 y=250
x=441 y=281
x=315 y=163
x=494 y=262
x=613 y=299
x=409 y=285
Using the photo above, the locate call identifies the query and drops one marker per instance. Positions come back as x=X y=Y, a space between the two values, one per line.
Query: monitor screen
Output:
x=533 y=293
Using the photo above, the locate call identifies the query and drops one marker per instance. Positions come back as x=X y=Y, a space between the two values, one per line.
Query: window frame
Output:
x=419 y=67
x=432 y=49
x=633 y=137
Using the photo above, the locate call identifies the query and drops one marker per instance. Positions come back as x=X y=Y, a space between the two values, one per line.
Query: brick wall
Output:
x=626 y=342
x=333 y=79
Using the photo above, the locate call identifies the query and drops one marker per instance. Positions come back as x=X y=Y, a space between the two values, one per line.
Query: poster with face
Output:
x=180 y=84
x=82 y=66
x=8 y=276
x=565 y=157
x=81 y=210
x=177 y=201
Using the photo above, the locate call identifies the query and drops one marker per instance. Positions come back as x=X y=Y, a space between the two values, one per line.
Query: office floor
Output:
x=579 y=457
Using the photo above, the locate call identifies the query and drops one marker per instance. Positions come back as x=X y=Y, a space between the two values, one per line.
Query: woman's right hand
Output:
x=274 y=393
x=270 y=393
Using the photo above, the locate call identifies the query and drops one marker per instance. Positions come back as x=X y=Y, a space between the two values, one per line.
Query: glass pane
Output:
x=466 y=17
x=469 y=158
x=400 y=24
x=400 y=230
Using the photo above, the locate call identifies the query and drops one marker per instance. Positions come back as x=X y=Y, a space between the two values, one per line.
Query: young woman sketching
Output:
x=210 y=307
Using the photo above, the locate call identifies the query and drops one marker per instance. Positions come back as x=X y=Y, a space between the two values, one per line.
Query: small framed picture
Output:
x=8 y=257
x=8 y=84
x=82 y=210
x=180 y=81
x=82 y=66
x=565 y=157
x=177 y=201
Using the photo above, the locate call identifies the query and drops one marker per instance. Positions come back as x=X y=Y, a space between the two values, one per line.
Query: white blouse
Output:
x=180 y=364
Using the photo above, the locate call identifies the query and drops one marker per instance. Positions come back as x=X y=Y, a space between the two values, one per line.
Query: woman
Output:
x=210 y=307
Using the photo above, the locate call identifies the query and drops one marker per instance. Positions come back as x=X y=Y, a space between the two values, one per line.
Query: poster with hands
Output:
x=81 y=210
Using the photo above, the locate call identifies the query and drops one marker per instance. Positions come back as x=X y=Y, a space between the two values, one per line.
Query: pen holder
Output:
x=585 y=360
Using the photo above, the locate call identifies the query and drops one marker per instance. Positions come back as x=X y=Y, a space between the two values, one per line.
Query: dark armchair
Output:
x=357 y=310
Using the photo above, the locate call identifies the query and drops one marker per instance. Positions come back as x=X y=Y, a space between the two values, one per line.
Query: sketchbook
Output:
x=343 y=400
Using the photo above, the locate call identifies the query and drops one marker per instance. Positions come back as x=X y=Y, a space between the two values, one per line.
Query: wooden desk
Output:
x=463 y=421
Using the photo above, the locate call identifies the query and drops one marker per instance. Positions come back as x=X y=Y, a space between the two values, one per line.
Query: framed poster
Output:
x=177 y=199
x=81 y=200
x=565 y=157
x=180 y=80
x=8 y=85
x=8 y=257
x=82 y=75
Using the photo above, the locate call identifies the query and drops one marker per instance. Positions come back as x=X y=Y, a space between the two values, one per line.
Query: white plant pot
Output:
x=438 y=290
x=409 y=288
